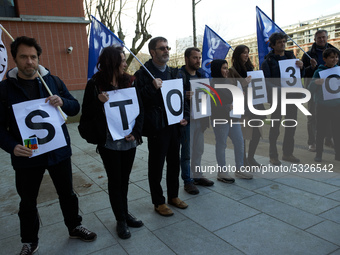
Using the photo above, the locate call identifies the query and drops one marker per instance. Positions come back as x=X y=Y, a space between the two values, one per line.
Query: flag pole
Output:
x=139 y=61
x=284 y=33
x=42 y=80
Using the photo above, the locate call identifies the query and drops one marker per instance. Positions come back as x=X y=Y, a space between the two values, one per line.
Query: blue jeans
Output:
x=222 y=131
x=192 y=142
x=185 y=154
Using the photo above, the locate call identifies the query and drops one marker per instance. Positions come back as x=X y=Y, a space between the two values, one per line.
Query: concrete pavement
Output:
x=280 y=213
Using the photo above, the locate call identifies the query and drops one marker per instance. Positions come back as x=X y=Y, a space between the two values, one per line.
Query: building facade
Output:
x=302 y=33
x=57 y=26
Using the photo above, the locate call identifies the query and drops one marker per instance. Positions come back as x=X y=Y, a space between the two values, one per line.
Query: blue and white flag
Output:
x=3 y=58
x=264 y=27
x=100 y=37
x=214 y=47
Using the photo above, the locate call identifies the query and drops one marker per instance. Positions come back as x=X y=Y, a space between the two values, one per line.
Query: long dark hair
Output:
x=108 y=67
x=240 y=67
x=216 y=66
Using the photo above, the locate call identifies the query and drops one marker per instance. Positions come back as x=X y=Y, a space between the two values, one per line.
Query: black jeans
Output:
x=28 y=182
x=118 y=165
x=327 y=118
x=164 y=145
x=274 y=132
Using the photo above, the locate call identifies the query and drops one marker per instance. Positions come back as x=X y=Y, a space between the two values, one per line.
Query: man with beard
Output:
x=311 y=65
x=163 y=139
x=192 y=135
x=23 y=84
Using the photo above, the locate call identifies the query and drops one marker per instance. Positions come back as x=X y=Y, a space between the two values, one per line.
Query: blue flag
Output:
x=214 y=47
x=264 y=28
x=100 y=37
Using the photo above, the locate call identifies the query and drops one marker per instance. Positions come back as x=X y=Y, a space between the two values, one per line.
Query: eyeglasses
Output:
x=163 y=48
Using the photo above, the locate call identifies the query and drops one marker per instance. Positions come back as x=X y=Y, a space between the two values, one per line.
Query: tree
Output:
x=111 y=13
x=194 y=3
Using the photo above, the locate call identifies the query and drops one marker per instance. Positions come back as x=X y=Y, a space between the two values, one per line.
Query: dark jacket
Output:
x=183 y=73
x=271 y=71
x=218 y=110
x=93 y=113
x=9 y=131
x=309 y=71
x=155 y=117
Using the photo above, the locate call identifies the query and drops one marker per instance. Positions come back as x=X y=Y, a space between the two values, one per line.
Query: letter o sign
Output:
x=169 y=101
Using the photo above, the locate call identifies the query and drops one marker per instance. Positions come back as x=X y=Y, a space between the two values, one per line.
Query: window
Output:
x=7 y=8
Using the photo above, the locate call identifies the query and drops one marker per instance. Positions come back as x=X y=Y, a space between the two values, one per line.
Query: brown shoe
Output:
x=177 y=202
x=191 y=188
x=164 y=210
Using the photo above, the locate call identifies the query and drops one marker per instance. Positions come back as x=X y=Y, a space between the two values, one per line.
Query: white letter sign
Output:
x=290 y=74
x=200 y=100
x=121 y=111
x=172 y=93
x=331 y=84
x=35 y=118
x=258 y=85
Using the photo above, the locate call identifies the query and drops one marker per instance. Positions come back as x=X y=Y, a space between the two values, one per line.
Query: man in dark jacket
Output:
x=311 y=65
x=23 y=84
x=271 y=69
x=163 y=139
x=192 y=135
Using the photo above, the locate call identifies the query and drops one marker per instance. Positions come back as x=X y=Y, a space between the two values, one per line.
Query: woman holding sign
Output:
x=220 y=73
x=242 y=65
x=327 y=109
x=117 y=154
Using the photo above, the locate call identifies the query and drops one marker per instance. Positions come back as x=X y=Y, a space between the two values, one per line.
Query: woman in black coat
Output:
x=117 y=154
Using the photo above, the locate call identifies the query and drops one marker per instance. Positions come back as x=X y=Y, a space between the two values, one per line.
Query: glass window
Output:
x=7 y=8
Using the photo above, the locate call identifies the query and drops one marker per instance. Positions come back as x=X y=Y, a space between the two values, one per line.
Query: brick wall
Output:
x=55 y=38
x=63 y=8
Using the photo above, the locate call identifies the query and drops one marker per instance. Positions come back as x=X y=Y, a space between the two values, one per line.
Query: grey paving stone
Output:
x=145 y=242
x=136 y=192
x=11 y=245
x=50 y=213
x=108 y=219
x=301 y=199
x=54 y=239
x=186 y=237
x=214 y=211
x=334 y=195
x=232 y=191
x=114 y=249
x=308 y=185
x=281 y=211
x=94 y=202
x=256 y=183
x=263 y=234
x=84 y=185
x=143 y=209
x=333 y=214
x=9 y=226
x=327 y=230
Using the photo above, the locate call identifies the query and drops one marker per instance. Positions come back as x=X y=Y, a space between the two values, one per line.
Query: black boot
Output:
x=133 y=222
x=123 y=230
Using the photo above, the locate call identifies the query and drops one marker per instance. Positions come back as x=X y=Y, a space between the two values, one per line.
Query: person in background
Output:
x=192 y=135
x=327 y=111
x=311 y=65
x=23 y=84
x=219 y=74
x=117 y=155
x=271 y=69
x=242 y=65
x=163 y=139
